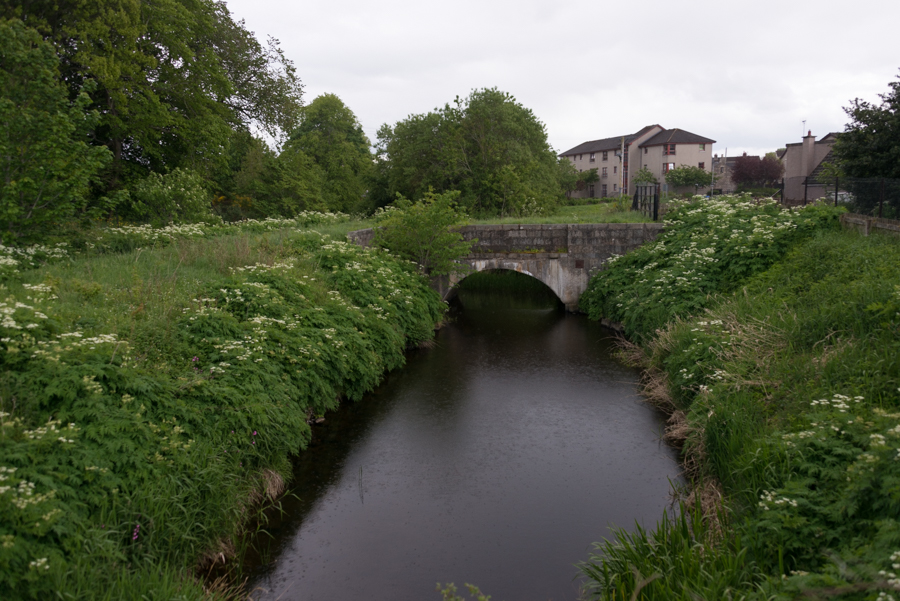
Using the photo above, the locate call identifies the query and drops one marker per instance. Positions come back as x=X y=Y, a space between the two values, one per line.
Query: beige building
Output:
x=804 y=160
x=723 y=167
x=617 y=159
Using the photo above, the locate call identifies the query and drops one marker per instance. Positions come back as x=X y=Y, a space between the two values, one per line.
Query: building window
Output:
x=668 y=149
x=604 y=171
x=703 y=147
x=605 y=155
x=591 y=190
x=592 y=160
x=702 y=165
x=579 y=157
x=615 y=187
x=603 y=190
x=668 y=167
x=645 y=150
x=721 y=169
x=615 y=168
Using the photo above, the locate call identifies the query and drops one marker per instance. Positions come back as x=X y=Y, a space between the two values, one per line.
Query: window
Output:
x=668 y=167
x=668 y=149
x=605 y=155
x=591 y=190
x=604 y=171
x=721 y=169
x=603 y=190
x=615 y=187
x=592 y=160
x=701 y=165
x=615 y=168
x=579 y=157
x=645 y=150
x=703 y=147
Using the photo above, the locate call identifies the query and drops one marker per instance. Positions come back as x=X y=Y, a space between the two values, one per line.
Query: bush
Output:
x=708 y=246
x=176 y=197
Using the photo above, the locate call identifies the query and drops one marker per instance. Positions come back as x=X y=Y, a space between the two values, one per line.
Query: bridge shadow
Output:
x=518 y=286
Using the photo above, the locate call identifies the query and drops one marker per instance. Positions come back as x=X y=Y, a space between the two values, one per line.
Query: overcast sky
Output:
x=745 y=74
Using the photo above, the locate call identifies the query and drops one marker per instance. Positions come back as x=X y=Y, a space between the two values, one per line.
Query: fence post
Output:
x=782 y=190
x=656 y=205
x=881 y=202
x=805 y=188
x=836 y=182
x=634 y=203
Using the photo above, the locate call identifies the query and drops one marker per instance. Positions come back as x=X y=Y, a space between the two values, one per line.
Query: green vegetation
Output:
x=785 y=396
x=488 y=147
x=149 y=398
x=687 y=176
x=616 y=210
x=422 y=232
x=868 y=146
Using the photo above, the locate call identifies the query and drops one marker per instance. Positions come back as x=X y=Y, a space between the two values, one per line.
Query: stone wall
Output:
x=865 y=225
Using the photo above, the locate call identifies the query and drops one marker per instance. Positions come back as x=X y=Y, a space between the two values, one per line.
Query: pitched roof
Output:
x=828 y=158
x=676 y=136
x=614 y=143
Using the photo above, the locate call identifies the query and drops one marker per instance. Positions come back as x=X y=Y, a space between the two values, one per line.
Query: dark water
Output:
x=495 y=458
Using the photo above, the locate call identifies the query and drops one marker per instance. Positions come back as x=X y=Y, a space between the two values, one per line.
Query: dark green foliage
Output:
x=791 y=388
x=46 y=164
x=164 y=418
x=487 y=146
x=708 y=246
x=870 y=143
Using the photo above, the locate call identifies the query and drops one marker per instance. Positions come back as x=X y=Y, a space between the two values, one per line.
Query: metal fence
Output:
x=646 y=200
x=871 y=196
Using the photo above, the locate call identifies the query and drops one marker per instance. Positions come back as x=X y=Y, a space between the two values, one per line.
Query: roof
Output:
x=828 y=158
x=613 y=143
x=676 y=136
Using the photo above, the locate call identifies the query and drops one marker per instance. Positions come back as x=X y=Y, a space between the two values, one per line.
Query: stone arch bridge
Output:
x=564 y=257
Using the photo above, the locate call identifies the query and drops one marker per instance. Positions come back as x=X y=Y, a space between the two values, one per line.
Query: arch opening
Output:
x=526 y=287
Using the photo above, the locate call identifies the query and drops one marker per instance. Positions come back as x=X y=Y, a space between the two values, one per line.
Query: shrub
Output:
x=176 y=197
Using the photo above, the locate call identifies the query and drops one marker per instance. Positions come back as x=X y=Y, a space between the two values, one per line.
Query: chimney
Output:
x=808 y=153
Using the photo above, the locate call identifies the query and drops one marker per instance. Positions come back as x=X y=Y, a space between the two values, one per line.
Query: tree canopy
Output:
x=687 y=175
x=870 y=143
x=46 y=163
x=173 y=78
x=753 y=171
x=489 y=147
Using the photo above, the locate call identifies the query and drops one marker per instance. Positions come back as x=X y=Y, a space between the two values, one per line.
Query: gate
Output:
x=646 y=200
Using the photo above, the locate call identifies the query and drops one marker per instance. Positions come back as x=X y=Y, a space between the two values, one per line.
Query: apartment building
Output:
x=617 y=159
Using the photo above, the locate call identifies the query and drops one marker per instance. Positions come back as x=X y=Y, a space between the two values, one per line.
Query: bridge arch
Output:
x=509 y=266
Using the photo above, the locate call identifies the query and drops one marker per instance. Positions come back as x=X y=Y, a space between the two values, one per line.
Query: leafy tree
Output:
x=179 y=196
x=332 y=137
x=46 y=163
x=753 y=171
x=174 y=78
x=423 y=232
x=644 y=177
x=687 y=175
x=487 y=146
x=870 y=143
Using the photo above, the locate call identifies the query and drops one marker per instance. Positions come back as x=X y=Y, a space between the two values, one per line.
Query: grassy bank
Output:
x=589 y=213
x=782 y=376
x=154 y=385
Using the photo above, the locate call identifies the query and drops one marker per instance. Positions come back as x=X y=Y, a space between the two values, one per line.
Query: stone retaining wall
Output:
x=865 y=225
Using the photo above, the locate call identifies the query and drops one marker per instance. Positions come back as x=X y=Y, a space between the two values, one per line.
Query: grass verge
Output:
x=149 y=398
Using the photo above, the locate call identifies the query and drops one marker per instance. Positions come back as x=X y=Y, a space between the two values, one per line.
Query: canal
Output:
x=495 y=458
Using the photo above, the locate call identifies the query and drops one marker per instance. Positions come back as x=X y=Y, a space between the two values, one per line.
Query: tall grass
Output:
x=791 y=390
x=150 y=398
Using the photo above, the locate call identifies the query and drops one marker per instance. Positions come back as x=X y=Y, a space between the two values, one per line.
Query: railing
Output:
x=870 y=196
x=646 y=200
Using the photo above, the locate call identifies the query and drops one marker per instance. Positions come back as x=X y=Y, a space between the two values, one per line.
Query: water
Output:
x=495 y=458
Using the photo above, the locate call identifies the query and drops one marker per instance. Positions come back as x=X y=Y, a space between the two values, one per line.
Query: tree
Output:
x=487 y=146
x=756 y=172
x=687 y=175
x=46 y=163
x=173 y=78
x=331 y=136
x=423 y=232
x=644 y=177
x=870 y=143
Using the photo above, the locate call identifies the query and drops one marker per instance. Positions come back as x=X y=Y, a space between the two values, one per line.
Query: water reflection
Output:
x=495 y=458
